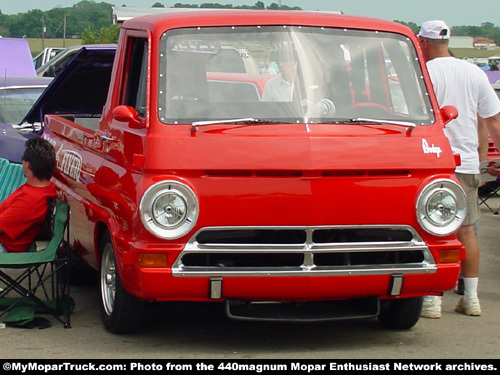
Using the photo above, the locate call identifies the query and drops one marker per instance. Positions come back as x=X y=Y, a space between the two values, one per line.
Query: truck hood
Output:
x=88 y=71
x=304 y=147
x=300 y=174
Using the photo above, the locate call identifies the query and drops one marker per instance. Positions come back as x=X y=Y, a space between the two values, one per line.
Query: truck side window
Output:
x=135 y=90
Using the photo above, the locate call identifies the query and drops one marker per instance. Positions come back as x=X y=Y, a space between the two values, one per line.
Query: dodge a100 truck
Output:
x=322 y=189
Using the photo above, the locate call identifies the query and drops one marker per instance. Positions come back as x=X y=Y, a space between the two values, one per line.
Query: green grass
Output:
x=471 y=52
x=37 y=44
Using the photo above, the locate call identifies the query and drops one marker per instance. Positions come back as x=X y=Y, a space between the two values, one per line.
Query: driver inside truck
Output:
x=280 y=88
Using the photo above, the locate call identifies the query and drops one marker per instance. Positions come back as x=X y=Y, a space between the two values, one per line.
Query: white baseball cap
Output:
x=435 y=29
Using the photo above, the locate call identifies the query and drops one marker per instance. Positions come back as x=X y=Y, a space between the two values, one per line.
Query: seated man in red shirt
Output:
x=23 y=212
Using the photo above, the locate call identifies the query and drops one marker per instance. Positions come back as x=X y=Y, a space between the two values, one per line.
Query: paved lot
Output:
x=191 y=330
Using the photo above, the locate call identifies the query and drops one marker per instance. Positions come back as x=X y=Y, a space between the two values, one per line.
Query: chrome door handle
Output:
x=106 y=138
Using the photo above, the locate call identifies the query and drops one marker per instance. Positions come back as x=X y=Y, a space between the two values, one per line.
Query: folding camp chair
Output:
x=490 y=190
x=38 y=274
x=11 y=177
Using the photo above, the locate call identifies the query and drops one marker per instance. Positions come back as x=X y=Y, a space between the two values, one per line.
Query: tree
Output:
x=412 y=25
x=4 y=29
x=487 y=26
x=105 y=35
x=474 y=31
x=215 y=6
x=26 y=24
x=180 y=5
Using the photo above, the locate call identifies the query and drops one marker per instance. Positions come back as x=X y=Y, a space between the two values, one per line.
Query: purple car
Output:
x=15 y=58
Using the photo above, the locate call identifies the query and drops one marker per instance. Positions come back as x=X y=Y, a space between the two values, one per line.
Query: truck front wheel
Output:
x=120 y=312
x=401 y=313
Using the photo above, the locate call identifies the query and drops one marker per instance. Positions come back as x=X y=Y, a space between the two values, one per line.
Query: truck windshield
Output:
x=289 y=74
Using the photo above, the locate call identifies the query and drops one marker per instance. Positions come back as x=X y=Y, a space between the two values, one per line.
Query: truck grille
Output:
x=296 y=251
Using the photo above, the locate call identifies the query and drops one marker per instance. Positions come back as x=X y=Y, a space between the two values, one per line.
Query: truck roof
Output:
x=241 y=17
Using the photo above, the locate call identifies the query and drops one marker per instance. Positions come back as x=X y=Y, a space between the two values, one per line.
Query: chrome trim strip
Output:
x=17 y=87
x=256 y=248
x=354 y=271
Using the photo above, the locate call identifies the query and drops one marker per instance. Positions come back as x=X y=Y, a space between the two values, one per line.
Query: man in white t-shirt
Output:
x=280 y=88
x=465 y=86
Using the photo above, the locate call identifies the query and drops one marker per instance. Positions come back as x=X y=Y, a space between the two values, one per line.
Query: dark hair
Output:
x=41 y=155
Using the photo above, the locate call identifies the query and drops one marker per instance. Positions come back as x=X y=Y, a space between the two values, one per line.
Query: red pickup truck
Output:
x=324 y=191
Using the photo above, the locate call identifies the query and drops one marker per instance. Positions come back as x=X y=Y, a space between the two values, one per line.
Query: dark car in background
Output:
x=52 y=95
x=57 y=63
x=17 y=96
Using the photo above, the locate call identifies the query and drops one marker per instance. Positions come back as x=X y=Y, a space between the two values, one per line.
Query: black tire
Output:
x=401 y=313
x=120 y=312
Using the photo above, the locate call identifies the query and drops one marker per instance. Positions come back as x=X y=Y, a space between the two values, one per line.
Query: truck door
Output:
x=79 y=157
x=79 y=147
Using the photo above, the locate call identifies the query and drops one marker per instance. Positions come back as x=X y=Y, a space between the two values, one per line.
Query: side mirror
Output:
x=128 y=114
x=448 y=113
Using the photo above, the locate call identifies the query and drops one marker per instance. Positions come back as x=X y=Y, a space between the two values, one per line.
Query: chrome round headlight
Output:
x=169 y=209
x=441 y=207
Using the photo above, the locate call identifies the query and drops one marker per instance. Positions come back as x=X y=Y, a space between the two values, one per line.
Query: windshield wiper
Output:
x=368 y=121
x=247 y=120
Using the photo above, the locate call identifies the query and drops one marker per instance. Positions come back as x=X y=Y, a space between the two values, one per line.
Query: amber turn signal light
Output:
x=449 y=256
x=152 y=260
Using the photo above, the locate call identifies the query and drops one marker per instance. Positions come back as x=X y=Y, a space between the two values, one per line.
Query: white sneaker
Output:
x=469 y=306
x=431 y=308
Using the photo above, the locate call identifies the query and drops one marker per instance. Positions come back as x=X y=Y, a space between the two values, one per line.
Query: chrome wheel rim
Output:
x=108 y=279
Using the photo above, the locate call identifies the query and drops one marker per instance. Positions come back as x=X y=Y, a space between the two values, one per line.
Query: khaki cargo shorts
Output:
x=470 y=183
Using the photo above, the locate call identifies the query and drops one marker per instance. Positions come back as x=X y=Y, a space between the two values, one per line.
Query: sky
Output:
x=453 y=12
